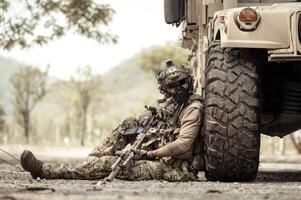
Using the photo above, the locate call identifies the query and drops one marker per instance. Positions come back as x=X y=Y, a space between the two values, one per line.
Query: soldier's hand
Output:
x=150 y=154
x=139 y=153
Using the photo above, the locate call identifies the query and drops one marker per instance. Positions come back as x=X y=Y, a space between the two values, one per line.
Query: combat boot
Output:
x=31 y=164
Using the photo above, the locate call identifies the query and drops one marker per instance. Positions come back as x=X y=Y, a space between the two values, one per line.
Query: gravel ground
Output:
x=278 y=178
x=274 y=181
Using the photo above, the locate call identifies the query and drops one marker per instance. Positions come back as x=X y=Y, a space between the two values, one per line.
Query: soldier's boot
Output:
x=31 y=164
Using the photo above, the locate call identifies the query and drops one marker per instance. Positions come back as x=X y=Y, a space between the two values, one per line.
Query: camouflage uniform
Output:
x=176 y=145
x=170 y=156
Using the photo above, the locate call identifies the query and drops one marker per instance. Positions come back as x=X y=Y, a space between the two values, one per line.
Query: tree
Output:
x=152 y=59
x=79 y=95
x=28 y=87
x=25 y=23
x=87 y=87
x=2 y=120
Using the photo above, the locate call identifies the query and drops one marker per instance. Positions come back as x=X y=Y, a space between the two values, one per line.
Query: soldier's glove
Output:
x=143 y=153
x=139 y=153
x=150 y=154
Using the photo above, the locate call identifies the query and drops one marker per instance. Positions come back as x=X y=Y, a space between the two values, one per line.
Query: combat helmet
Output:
x=175 y=81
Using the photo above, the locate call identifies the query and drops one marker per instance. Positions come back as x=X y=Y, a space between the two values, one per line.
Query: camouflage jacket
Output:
x=179 y=140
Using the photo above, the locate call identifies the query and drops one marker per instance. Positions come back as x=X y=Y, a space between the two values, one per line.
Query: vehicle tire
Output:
x=231 y=135
x=296 y=138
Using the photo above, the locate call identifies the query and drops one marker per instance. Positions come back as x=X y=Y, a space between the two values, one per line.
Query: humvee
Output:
x=245 y=55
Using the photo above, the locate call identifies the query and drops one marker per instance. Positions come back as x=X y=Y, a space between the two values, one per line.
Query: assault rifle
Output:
x=143 y=134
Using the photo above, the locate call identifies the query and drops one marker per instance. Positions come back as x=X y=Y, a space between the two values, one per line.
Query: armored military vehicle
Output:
x=246 y=57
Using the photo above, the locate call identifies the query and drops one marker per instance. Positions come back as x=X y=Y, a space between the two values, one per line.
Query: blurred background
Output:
x=72 y=70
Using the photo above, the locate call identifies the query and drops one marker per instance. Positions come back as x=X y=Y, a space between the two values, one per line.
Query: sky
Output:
x=139 y=24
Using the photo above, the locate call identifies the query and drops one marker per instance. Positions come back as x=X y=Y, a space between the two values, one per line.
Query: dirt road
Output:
x=274 y=181
x=279 y=177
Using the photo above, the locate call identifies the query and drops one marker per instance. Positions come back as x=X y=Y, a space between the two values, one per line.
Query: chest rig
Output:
x=172 y=126
x=168 y=129
x=172 y=130
x=168 y=111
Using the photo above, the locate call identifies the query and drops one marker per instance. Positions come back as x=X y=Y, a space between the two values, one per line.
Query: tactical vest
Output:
x=171 y=133
x=169 y=128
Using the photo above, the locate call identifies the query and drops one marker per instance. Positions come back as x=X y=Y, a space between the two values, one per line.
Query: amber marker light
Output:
x=247 y=15
x=247 y=19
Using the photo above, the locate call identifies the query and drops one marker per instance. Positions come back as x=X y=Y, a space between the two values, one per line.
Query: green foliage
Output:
x=28 y=88
x=152 y=59
x=25 y=23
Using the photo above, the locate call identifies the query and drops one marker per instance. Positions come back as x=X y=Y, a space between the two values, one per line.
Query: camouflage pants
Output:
x=98 y=168
x=100 y=160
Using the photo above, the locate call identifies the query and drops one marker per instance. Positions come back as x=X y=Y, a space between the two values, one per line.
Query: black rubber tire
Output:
x=231 y=135
x=296 y=136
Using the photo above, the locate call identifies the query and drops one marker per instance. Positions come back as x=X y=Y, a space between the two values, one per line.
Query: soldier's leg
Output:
x=141 y=170
x=96 y=168
x=180 y=171
x=147 y=170
x=108 y=147
x=115 y=141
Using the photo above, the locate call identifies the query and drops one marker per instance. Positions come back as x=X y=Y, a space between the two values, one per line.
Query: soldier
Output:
x=174 y=158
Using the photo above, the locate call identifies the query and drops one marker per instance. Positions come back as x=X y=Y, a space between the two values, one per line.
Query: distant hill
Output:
x=126 y=76
x=127 y=90
x=7 y=68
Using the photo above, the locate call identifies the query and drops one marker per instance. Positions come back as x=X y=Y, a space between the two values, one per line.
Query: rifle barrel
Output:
x=113 y=174
x=115 y=165
x=124 y=158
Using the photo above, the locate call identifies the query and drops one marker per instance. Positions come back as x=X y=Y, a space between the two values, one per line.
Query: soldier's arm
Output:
x=190 y=127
